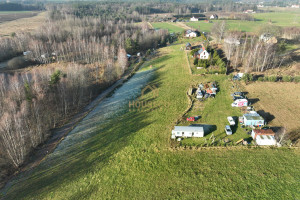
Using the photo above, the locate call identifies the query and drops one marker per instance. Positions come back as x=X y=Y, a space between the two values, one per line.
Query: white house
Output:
x=187 y=131
x=214 y=16
x=295 y=6
x=202 y=54
x=193 y=19
x=191 y=33
x=253 y=119
x=263 y=136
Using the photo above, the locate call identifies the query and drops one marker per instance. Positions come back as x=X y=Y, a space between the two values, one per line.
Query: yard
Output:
x=129 y=157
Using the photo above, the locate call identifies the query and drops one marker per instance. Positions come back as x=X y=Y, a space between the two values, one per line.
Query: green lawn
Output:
x=130 y=156
x=164 y=25
x=277 y=18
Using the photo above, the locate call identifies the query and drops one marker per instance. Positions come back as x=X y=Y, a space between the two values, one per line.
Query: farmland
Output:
x=282 y=106
x=129 y=157
x=11 y=22
x=277 y=18
x=170 y=27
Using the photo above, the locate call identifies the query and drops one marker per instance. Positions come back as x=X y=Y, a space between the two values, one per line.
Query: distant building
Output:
x=249 y=11
x=295 y=6
x=263 y=136
x=231 y=40
x=188 y=46
x=214 y=16
x=268 y=38
x=190 y=33
x=193 y=19
x=260 y=6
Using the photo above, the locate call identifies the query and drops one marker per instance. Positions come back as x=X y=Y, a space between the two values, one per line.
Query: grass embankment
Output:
x=130 y=158
x=170 y=27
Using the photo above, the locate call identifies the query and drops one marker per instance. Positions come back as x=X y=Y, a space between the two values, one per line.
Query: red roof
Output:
x=263 y=132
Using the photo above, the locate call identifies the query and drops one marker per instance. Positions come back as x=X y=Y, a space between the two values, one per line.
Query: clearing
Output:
x=279 y=101
x=128 y=156
x=170 y=27
x=25 y=22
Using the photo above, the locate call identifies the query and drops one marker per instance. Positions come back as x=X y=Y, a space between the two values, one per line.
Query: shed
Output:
x=187 y=131
x=253 y=119
x=188 y=46
x=264 y=136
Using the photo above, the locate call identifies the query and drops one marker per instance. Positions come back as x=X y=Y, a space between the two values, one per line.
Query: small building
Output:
x=190 y=33
x=188 y=46
x=214 y=16
x=295 y=6
x=202 y=54
x=263 y=136
x=253 y=119
x=187 y=131
x=193 y=19
x=249 y=11
x=268 y=38
x=231 y=40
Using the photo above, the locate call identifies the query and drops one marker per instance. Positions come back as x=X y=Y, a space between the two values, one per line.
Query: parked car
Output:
x=231 y=120
x=228 y=130
x=238 y=97
x=237 y=94
x=199 y=94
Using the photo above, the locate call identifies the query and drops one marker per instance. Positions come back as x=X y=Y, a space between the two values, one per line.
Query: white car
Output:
x=231 y=121
x=228 y=130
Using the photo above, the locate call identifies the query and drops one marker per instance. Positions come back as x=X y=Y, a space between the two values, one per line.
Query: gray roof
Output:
x=189 y=128
x=188 y=44
x=253 y=116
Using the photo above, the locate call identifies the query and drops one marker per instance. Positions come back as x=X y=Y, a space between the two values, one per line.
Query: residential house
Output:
x=202 y=54
x=188 y=46
x=193 y=19
x=191 y=34
x=187 y=131
x=249 y=11
x=253 y=119
x=231 y=40
x=268 y=38
x=295 y=6
x=263 y=136
x=214 y=16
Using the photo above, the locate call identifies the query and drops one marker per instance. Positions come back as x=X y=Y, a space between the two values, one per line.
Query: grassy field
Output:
x=277 y=18
x=25 y=22
x=274 y=99
x=170 y=27
x=130 y=156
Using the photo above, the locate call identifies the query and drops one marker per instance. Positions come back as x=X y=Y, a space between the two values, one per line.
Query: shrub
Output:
x=272 y=78
x=260 y=79
x=287 y=79
x=297 y=79
x=196 y=61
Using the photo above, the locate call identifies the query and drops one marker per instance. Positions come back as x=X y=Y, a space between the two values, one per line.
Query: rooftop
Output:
x=264 y=131
x=189 y=128
x=253 y=116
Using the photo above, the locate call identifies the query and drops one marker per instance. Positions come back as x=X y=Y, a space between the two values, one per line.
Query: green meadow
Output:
x=130 y=156
x=164 y=25
x=277 y=18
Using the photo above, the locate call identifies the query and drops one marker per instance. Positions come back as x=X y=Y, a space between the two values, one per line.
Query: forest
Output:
x=69 y=61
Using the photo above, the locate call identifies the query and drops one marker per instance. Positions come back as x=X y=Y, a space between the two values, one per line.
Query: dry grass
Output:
x=280 y=100
x=22 y=25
